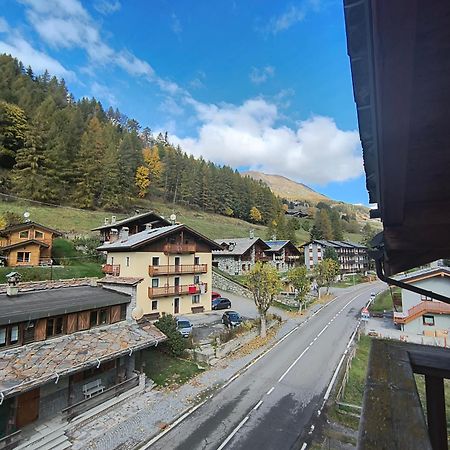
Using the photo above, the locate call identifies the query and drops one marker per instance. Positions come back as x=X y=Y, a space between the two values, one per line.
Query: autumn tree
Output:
x=326 y=272
x=264 y=283
x=331 y=253
x=299 y=278
x=322 y=226
x=255 y=214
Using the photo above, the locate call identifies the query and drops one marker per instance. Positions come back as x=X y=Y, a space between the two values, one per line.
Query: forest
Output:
x=56 y=149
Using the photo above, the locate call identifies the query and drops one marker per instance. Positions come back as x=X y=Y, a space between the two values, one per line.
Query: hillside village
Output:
x=153 y=299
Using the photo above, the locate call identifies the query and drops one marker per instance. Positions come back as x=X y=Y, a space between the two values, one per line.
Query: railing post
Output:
x=437 y=422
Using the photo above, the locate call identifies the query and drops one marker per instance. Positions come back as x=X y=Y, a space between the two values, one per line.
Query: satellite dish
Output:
x=173 y=217
x=26 y=214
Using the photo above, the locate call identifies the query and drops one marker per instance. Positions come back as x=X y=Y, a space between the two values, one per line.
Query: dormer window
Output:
x=38 y=234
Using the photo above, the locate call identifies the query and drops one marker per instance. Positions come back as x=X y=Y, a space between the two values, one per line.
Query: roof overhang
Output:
x=400 y=53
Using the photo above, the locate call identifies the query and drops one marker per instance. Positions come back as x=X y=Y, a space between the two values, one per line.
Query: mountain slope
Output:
x=288 y=189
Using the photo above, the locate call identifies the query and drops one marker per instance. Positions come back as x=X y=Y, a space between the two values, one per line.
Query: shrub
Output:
x=175 y=342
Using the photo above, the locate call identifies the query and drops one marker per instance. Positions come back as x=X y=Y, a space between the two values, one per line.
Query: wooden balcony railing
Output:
x=179 y=248
x=177 y=269
x=185 y=289
x=111 y=269
x=424 y=307
x=392 y=416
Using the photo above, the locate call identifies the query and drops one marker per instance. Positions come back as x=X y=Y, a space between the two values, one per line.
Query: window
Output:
x=38 y=234
x=14 y=334
x=196 y=298
x=154 y=305
x=428 y=320
x=196 y=260
x=123 y=311
x=155 y=261
x=155 y=282
x=55 y=326
x=128 y=261
x=103 y=316
x=23 y=234
x=28 y=335
x=93 y=318
x=2 y=336
x=196 y=279
x=23 y=256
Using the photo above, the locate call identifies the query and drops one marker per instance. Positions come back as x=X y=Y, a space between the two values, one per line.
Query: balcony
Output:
x=111 y=269
x=177 y=269
x=292 y=257
x=169 y=291
x=392 y=414
x=179 y=248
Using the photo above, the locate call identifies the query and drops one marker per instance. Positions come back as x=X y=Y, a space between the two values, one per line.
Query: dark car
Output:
x=221 y=303
x=231 y=319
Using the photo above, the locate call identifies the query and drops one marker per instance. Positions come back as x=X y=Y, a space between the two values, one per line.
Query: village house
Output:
x=283 y=255
x=237 y=256
x=175 y=263
x=420 y=314
x=27 y=244
x=64 y=350
x=353 y=257
x=134 y=224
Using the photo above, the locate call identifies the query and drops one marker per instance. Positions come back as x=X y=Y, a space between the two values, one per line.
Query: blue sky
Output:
x=254 y=84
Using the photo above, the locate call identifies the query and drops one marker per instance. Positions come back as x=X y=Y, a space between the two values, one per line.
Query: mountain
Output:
x=288 y=189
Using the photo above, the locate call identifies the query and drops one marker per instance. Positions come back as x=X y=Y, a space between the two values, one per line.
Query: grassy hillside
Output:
x=289 y=189
x=75 y=222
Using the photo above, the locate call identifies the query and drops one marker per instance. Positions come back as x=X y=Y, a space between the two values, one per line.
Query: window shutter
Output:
x=72 y=322
x=40 y=330
x=115 y=313
x=83 y=320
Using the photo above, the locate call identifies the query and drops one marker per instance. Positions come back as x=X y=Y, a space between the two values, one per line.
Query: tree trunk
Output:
x=262 y=331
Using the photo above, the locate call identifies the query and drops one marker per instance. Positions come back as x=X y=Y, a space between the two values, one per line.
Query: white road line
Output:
x=293 y=364
x=270 y=390
x=304 y=446
x=257 y=405
x=228 y=439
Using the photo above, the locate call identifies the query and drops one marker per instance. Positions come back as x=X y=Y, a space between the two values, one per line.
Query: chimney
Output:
x=113 y=235
x=252 y=234
x=106 y=221
x=113 y=220
x=12 y=289
x=124 y=233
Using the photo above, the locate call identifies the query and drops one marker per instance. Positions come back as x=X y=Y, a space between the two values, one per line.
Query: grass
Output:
x=383 y=301
x=166 y=370
x=80 y=270
x=349 y=281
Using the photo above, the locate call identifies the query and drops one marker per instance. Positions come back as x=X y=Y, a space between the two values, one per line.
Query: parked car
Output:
x=215 y=295
x=184 y=327
x=231 y=319
x=373 y=295
x=221 y=303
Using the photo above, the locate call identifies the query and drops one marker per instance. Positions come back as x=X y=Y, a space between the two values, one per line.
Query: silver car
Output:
x=184 y=327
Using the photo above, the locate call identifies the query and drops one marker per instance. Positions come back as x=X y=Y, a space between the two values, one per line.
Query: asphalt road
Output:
x=272 y=404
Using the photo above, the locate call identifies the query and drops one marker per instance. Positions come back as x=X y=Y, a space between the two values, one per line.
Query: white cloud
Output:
x=290 y=17
x=171 y=107
x=315 y=151
x=176 y=24
x=107 y=6
x=258 y=76
x=19 y=48
x=4 y=27
x=67 y=24
x=102 y=92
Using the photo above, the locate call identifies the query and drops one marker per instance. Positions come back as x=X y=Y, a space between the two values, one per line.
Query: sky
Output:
x=254 y=84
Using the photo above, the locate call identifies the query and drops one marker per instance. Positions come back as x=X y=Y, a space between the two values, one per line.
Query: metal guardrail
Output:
x=177 y=269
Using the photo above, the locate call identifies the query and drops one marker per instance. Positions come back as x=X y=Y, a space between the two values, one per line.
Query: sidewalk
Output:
x=140 y=418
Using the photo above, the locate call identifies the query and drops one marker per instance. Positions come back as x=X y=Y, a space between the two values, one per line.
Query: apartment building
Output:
x=353 y=257
x=174 y=262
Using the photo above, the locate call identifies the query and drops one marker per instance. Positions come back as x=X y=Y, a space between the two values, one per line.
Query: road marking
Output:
x=257 y=405
x=293 y=364
x=228 y=439
x=270 y=390
x=304 y=446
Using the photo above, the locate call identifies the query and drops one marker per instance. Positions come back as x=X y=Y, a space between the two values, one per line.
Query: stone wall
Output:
x=27 y=286
x=225 y=284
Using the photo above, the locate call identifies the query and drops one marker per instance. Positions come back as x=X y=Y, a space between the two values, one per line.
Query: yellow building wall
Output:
x=138 y=267
x=34 y=255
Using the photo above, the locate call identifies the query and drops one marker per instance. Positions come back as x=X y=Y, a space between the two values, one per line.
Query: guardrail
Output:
x=177 y=269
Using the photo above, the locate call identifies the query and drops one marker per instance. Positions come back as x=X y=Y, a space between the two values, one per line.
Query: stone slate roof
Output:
x=129 y=281
x=120 y=223
x=241 y=245
x=144 y=237
x=31 y=365
x=52 y=302
x=23 y=243
x=25 y=225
